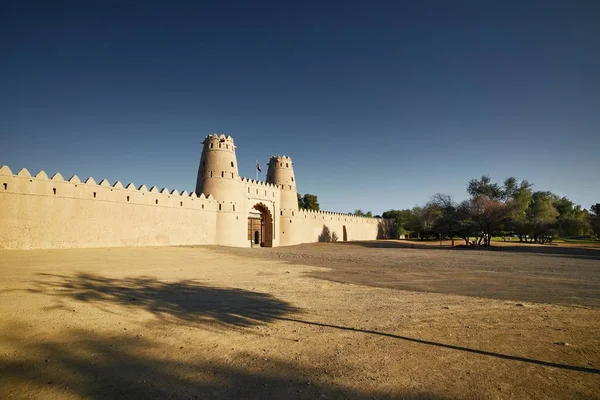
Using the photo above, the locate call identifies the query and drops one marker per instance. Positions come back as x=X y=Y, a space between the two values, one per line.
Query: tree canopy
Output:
x=308 y=202
x=510 y=208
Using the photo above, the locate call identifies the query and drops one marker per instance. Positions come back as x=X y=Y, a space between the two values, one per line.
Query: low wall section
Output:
x=306 y=226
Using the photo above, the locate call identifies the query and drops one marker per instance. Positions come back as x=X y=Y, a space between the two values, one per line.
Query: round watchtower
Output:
x=281 y=173
x=218 y=171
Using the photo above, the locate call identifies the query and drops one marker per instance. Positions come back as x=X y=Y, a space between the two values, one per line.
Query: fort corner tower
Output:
x=218 y=171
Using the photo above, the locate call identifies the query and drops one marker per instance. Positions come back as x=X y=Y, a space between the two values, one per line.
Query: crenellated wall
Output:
x=42 y=212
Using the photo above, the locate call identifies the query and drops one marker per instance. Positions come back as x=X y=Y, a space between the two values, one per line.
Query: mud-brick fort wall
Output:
x=38 y=212
x=42 y=212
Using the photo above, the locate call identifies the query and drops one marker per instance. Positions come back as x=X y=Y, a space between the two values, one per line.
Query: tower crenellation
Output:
x=218 y=170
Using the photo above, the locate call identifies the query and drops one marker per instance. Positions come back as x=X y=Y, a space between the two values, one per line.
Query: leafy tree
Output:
x=308 y=202
x=594 y=219
x=400 y=220
x=421 y=221
x=572 y=219
x=361 y=213
x=541 y=216
x=447 y=222
x=484 y=187
x=492 y=206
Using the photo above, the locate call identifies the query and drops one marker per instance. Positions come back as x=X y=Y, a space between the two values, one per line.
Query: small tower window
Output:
x=127 y=198
x=203 y=206
x=54 y=190
x=232 y=164
x=219 y=145
x=287 y=165
x=281 y=213
x=156 y=201
x=292 y=213
x=292 y=179
x=5 y=185
x=181 y=204
x=211 y=174
x=219 y=207
x=222 y=174
x=234 y=207
x=211 y=145
x=226 y=146
x=94 y=194
x=248 y=190
x=232 y=175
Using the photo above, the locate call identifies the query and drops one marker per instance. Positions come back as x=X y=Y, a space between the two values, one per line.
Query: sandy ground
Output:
x=322 y=321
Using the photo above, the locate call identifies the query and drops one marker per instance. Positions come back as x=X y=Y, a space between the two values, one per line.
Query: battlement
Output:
x=280 y=161
x=253 y=182
x=40 y=185
x=214 y=141
x=330 y=215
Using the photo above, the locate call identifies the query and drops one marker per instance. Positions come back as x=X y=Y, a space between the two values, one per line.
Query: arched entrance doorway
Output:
x=345 y=234
x=260 y=226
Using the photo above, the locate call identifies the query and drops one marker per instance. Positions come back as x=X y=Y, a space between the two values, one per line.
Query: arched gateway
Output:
x=260 y=226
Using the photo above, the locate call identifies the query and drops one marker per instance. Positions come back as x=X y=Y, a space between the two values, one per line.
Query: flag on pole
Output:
x=258 y=166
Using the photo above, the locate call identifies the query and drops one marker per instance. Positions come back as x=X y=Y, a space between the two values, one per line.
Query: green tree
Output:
x=594 y=219
x=400 y=220
x=572 y=219
x=493 y=207
x=447 y=222
x=308 y=202
x=361 y=213
x=422 y=220
x=541 y=216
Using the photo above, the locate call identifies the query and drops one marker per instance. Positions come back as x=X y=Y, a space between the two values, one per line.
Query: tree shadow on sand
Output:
x=181 y=301
x=89 y=365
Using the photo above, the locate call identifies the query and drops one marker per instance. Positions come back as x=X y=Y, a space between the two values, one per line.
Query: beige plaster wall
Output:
x=37 y=212
x=42 y=212
x=305 y=226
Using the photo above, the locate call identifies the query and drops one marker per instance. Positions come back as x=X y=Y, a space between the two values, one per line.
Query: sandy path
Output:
x=205 y=323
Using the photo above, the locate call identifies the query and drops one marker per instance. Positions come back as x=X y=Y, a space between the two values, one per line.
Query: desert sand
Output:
x=320 y=321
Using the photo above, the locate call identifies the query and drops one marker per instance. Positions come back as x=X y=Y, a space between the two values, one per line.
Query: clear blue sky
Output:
x=380 y=104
